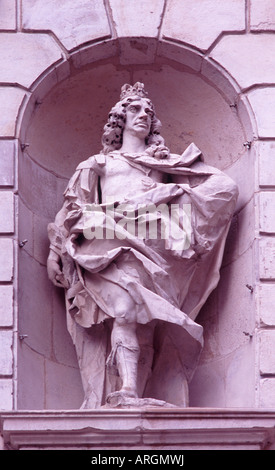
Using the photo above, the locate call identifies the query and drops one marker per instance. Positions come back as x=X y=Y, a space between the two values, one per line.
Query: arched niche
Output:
x=62 y=125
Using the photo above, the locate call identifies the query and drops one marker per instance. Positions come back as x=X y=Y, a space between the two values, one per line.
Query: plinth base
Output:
x=137 y=429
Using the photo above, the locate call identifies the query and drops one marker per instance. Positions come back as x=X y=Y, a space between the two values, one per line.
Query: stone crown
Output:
x=136 y=90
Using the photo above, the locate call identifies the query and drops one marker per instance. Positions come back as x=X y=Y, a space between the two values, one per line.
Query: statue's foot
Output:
x=129 y=399
x=128 y=392
x=118 y=397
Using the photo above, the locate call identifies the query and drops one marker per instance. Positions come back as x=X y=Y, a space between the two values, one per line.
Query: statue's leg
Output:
x=125 y=344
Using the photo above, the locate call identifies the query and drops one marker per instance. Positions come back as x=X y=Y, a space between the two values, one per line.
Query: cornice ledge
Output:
x=146 y=428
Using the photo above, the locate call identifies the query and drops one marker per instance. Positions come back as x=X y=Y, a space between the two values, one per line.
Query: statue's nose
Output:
x=143 y=115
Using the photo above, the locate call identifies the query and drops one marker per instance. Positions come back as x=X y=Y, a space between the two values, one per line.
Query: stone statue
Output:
x=138 y=246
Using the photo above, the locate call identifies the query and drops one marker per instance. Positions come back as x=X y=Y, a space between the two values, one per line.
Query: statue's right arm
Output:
x=76 y=194
x=54 y=270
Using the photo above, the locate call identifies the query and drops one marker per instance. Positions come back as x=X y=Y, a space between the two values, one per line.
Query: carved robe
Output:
x=168 y=281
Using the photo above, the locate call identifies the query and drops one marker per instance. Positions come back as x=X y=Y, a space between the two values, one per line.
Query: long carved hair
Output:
x=113 y=130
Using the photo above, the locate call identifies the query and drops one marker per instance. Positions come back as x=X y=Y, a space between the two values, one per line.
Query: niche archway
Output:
x=63 y=127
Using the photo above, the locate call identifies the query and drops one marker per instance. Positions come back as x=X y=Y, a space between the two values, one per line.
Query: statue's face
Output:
x=139 y=116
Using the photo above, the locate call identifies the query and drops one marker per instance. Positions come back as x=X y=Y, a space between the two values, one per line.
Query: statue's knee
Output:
x=120 y=321
x=124 y=315
x=124 y=308
x=125 y=321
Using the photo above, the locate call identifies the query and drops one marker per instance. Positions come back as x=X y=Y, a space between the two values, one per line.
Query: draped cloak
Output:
x=168 y=279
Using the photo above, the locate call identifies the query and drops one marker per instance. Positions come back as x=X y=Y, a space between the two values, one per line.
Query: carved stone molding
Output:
x=147 y=428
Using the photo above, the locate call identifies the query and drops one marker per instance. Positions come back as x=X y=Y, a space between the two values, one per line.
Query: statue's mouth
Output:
x=142 y=124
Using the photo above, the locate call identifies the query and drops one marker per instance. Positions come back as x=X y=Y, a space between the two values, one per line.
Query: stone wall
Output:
x=61 y=70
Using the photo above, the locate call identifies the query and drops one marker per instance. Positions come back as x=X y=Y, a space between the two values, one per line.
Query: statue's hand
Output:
x=55 y=274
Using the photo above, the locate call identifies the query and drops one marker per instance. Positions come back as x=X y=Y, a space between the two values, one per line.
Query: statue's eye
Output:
x=150 y=113
x=133 y=109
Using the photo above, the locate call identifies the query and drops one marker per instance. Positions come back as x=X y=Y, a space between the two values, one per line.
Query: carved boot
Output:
x=126 y=359
x=127 y=363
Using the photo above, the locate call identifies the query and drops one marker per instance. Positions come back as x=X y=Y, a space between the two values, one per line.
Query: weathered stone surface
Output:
x=7 y=162
x=139 y=19
x=263 y=104
x=92 y=53
x=72 y=24
x=246 y=185
x=242 y=56
x=262 y=15
x=35 y=299
x=200 y=23
x=212 y=72
x=246 y=116
x=181 y=54
x=26 y=228
x=246 y=227
x=266 y=258
x=10 y=100
x=6 y=357
x=233 y=322
x=267 y=393
x=25 y=56
x=6 y=259
x=42 y=87
x=6 y=305
x=56 y=377
x=6 y=212
x=266 y=209
x=266 y=352
x=266 y=302
x=40 y=243
x=6 y=390
x=213 y=429
x=266 y=158
x=137 y=50
x=31 y=370
x=8 y=14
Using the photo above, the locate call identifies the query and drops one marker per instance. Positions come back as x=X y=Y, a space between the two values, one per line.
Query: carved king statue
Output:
x=138 y=246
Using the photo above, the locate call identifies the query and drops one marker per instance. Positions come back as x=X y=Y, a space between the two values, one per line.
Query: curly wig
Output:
x=113 y=129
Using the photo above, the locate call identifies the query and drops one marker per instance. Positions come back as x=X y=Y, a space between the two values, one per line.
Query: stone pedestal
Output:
x=137 y=429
